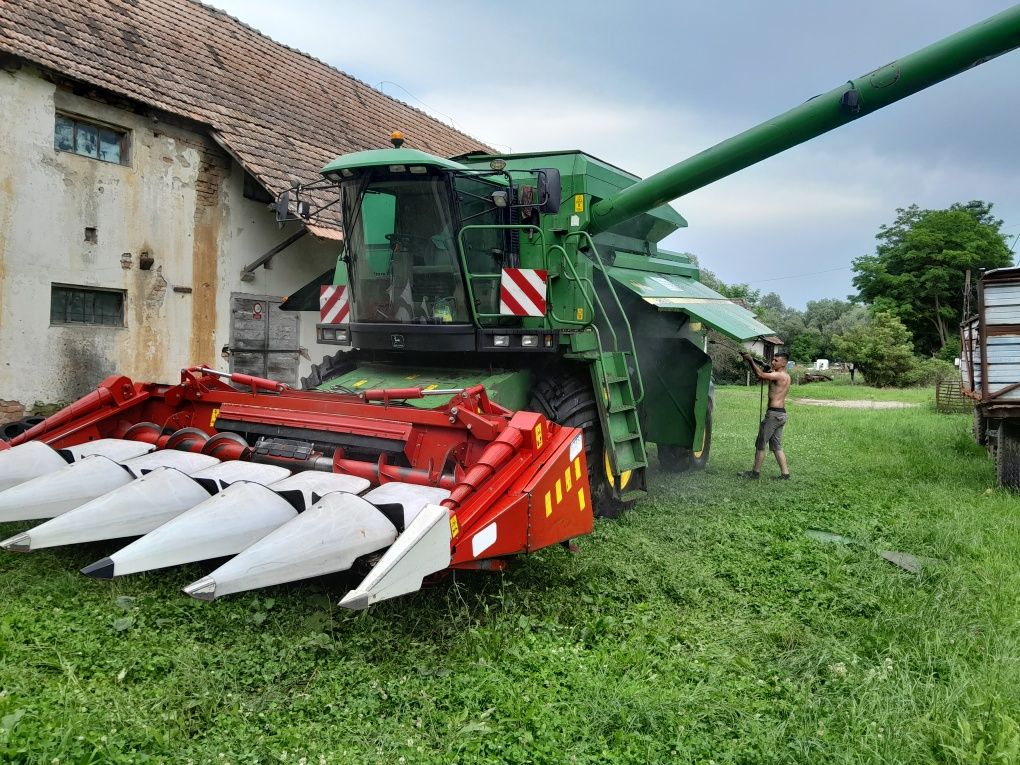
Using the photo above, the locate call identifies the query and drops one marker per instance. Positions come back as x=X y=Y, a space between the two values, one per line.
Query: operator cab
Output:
x=426 y=240
x=402 y=258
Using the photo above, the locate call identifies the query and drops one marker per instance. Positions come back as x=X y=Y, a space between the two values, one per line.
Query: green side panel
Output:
x=670 y=292
x=507 y=388
x=593 y=179
x=676 y=394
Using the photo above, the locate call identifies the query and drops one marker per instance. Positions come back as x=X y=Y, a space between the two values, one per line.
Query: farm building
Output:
x=142 y=142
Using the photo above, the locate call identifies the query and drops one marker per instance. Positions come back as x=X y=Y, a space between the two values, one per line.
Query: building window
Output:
x=86 y=305
x=88 y=139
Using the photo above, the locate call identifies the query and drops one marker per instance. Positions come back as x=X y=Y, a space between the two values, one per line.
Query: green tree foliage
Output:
x=881 y=350
x=919 y=267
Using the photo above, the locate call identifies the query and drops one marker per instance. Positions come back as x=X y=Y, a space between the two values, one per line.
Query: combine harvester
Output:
x=545 y=416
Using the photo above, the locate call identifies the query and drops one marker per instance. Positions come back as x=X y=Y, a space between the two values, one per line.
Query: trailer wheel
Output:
x=1007 y=456
x=567 y=397
x=980 y=427
x=328 y=368
x=680 y=459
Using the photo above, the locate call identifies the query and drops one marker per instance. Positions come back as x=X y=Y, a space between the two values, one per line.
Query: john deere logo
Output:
x=397 y=341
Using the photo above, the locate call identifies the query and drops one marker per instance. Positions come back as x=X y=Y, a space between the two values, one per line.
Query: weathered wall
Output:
x=180 y=202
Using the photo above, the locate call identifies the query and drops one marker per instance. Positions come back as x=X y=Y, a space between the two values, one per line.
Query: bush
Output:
x=930 y=371
x=881 y=350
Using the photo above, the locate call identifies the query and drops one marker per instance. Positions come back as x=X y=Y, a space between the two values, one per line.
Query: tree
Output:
x=822 y=313
x=918 y=270
x=880 y=348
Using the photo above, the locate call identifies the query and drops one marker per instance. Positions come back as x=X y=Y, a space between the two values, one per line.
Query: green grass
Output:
x=840 y=389
x=702 y=627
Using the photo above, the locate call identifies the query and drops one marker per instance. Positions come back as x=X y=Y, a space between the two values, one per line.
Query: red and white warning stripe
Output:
x=522 y=292
x=333 y=305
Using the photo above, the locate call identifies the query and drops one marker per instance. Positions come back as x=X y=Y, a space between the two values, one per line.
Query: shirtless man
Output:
x=771 y=430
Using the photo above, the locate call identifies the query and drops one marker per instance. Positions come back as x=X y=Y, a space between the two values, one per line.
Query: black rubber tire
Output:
x=980 y=427
x=674 y=459
x=12 y=429
x=700 y=461
x=680 y=459
x=566 y=396
x=328 y=368
x=1007 y=456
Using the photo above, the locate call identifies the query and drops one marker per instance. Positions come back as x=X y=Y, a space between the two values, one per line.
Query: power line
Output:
x=799 y=276
x=450 y=119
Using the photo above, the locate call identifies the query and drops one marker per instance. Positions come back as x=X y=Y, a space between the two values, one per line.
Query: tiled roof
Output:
x=281 y=113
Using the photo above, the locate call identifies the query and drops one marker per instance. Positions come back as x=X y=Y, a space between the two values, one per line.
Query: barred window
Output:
x=86 y=305
x=101 y=142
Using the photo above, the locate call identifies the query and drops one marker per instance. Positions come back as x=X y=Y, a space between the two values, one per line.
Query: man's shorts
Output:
x=771 y=430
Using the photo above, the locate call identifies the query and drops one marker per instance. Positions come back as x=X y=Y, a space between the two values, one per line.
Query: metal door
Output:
x=264 y=340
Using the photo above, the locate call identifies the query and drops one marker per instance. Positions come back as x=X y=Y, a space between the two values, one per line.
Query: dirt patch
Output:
x=862 y=404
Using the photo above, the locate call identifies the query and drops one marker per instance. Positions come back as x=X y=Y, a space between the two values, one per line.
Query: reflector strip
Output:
x=483 y=540
x=548 y=504
x=334 y=307
x=580 y=498
x=522 y=292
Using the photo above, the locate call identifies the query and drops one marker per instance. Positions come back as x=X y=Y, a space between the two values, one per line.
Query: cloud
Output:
x=645 y=85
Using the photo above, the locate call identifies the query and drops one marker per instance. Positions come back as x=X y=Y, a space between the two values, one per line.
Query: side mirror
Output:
x=549 y=190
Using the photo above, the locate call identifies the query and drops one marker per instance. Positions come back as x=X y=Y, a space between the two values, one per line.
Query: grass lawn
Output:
x=704 y=626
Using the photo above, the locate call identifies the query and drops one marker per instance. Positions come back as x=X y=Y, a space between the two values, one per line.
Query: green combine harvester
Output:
x=540 y=275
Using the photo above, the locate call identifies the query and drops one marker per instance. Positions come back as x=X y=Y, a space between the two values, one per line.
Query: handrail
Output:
x=623 y=314
x=581 y=282
x=471 y=277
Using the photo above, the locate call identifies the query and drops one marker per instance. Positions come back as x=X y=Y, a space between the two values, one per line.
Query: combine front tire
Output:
x=567 y=397
x=1007 y=455
x=328 y=368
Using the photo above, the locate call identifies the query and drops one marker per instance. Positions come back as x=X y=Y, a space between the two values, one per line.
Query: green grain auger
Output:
x=540 y=275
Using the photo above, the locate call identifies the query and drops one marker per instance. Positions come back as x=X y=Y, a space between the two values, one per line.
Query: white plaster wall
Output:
x=250 y=230
x=48 y=198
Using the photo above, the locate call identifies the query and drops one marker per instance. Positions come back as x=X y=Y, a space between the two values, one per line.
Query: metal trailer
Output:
x=990 y=369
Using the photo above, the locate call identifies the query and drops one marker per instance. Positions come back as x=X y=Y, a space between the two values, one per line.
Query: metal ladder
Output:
x=614 y=384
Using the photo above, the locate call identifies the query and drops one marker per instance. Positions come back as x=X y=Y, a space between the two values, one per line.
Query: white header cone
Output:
x=315 y=484
x=186 y=462
x=234 y=471
x=54 y=493
x=324 y=539
x=130 y=511
x=27 y=461
x=423 y=549
x=34 y=458
x=222 y=525
x=411 y=497
x=117 y=449
x=73 y=485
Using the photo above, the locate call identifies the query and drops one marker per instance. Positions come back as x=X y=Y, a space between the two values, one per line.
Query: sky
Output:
x=644 y=84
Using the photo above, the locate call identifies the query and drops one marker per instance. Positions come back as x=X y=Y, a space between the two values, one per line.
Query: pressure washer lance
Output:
x=758 y=359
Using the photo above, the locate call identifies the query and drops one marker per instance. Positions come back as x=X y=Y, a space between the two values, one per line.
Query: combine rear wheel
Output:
x=680 y=459
x=567 y=397
x=1007 y=455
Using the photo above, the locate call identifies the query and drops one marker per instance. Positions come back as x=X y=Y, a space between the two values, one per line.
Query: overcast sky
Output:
x=645 y=84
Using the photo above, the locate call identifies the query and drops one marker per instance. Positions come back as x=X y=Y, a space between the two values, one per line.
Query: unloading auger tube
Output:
x=852 y=100
x=294 y=484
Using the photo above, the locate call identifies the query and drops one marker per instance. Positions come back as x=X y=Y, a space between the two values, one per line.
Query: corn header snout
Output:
x=294 y=484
